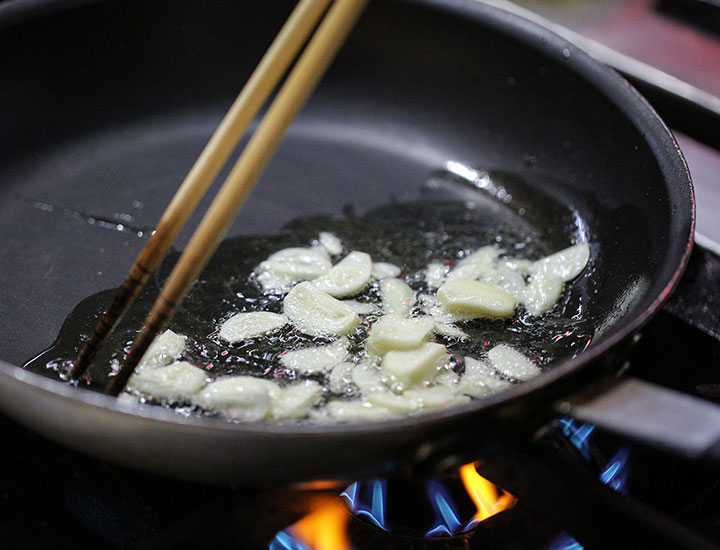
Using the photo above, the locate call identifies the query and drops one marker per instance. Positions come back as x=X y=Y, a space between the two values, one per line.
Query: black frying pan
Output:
x=106 y=105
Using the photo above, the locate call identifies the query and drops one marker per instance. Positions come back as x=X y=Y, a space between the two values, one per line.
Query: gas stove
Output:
x=574 y=486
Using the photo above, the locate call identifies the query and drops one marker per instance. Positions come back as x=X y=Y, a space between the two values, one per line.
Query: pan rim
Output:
x=614 y=87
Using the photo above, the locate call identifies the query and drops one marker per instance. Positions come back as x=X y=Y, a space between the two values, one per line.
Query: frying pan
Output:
x=107 y=104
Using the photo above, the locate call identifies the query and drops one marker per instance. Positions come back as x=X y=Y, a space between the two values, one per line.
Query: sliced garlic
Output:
x=542 y=293
x=347 y=277
x=164 y=350
x=408 y=368
x=355 y=410
x=415 y=400
x=330 y=243
x=480 y=378
x=295 y=401
x=512 y=363
x=397 y=296
x=174 y=383
x=316 y=313
x=392 y=332
x=316 y=359
x=566 y=264
x=244 y=398
x=367 y=378
x=474 y=265
x=435 y=274
x=448 y=329
x=292 y=264
x=361 y=308
x=472 y=299
x=510 y=281
x=384 y=270
x=242 y=326
x=520 y=265
x=340 y=378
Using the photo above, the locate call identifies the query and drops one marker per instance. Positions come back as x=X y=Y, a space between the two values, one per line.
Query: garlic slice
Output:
x=384 y=270
x=174 y=383
x=408 y=368
x=520 y=265
x=397 y=296
x=316 y=359
x=292 y=264
x=367 y=378
x=356 y=410
x=512 y=363
x=416 y=400
x=566 y=264
x=347 y=277
x=542 y=293
x=480 y=378
x=330 y=243
x=316 y=313
x=392 y=332
x=474 y=265
x=295 y=401
x=510 y=281
x=435 y=274
x=449 y=330
x=340 y=378
x=242 y=326
x=472 y=299
x=243 y=398
x=164 y=350
x=361 y=308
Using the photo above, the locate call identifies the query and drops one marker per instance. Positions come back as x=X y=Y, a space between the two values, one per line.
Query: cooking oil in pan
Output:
x=441 y=227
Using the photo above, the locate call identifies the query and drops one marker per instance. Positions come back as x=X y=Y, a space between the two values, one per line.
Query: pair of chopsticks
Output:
x=330 y=33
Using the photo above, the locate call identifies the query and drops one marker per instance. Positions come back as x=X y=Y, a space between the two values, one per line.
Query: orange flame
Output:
x=488 y=500
x=325 y=528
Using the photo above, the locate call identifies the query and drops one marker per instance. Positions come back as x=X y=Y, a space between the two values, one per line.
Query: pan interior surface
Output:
x=91 y=161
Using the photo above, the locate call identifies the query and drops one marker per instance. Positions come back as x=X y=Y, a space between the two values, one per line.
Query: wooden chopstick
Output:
x=301 y=82
x=262 y=82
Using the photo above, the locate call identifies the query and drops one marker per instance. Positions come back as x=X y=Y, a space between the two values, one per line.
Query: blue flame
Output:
x=285 y=541
x=354 y=494
x=446 y=520
x=578 y=434
x=565 y=542
x=616 y=473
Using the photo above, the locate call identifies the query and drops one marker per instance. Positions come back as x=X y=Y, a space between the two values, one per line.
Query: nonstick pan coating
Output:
x=108 y=104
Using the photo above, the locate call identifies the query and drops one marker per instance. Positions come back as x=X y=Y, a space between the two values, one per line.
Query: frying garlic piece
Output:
x=174 y=383
x=511 y=363
x=316 y=359
x=316 y=313
x=473 y=299
x=164 y=350
x=509 y=280
x=330 y=243
x=480 y=378
x=367 y=378
x=474 y=265
x=348 y=277
x=435 y=274
x=384 y=270
x=243 y=398
x=361 y=308
x=566 y=264
x=242 y=326
x=397 y=296
x=542 y=293
x=409 y=368
x=392 y=332
x=290 y=265
x=294 y=401
x=548 y=275
x=418 y=399
x=355 y=410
